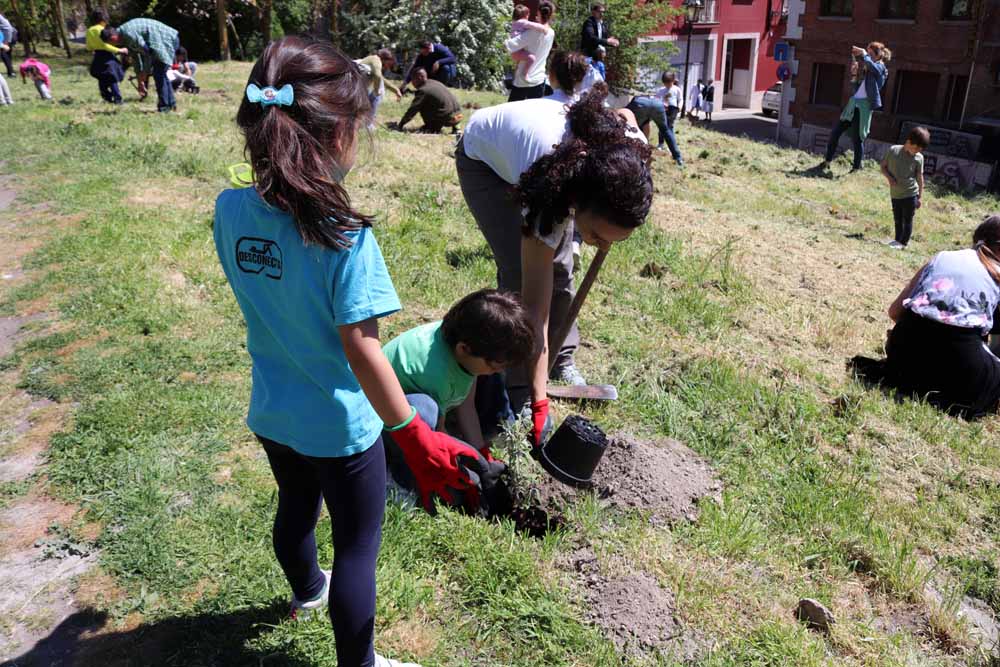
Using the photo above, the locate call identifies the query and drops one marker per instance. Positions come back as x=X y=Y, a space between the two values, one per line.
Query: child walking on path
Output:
x=708 y=100
x=524 y=58
x=903 y=168
x=310 y=280
x=39 y=73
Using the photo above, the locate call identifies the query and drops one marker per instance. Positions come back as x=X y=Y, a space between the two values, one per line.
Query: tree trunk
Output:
x=222 y=16
x=23 y=30
x=265 y=20
x=57 y=10
x=335 y=21
x=53 y=27
x=89 y=5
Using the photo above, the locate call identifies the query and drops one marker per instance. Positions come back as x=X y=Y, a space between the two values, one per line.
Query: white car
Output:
x=771 y=104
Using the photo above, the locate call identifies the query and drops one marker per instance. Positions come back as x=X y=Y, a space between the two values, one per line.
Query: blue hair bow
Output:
x=268 y=95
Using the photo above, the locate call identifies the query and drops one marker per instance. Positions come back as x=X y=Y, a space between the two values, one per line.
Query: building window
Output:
x=898 y=9
x=915 y=93
x=957 y=10
x=836 y=8
x=957 y=85
x=827 y=84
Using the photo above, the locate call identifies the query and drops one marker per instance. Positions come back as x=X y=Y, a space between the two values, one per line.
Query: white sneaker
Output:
x=896 y=245
x=386 y=662
x=303 y=609
x=569 y=374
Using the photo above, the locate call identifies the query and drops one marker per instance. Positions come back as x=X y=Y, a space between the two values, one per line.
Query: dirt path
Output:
x=38 y=561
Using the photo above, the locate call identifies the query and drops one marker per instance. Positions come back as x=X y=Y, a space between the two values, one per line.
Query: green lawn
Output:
x=832 y=491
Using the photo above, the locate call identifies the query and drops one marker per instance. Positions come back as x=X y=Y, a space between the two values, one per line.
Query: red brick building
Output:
x=944 y=73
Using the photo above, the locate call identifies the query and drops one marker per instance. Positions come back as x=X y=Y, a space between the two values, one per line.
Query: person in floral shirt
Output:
x=944 y=316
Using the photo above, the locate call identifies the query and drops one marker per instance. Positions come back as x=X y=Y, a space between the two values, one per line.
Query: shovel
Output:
x=593 y=392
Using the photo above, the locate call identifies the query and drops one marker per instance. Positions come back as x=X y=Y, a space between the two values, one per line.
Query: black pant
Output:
x=528 y=93
x=855 y=126
x=6 y=58
x=354 y=490
x=902 y=213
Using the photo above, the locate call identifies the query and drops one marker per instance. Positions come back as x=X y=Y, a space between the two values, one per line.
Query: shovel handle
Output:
x=574 y=309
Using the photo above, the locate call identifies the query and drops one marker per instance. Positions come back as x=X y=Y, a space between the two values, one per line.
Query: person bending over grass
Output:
x=105 y=66
x=310 y=280
x=39 y=74
x=436 y=105
x=595 y=178
x=943 y=316
x=903 y=168
x=438 y=365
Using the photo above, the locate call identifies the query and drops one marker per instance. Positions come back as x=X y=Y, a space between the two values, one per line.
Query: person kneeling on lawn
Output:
x=436 y=104
x=452 y=365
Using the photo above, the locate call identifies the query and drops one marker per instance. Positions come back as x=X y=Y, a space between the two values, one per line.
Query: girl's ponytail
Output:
x=297 y=148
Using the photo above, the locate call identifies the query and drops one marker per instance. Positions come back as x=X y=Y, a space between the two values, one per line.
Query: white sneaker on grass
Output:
x=568 y=374
x=896 y=245
x=386 y=662
x=303 y=609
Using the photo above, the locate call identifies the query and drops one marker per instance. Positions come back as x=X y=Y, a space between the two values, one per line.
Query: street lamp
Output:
x=692 y=10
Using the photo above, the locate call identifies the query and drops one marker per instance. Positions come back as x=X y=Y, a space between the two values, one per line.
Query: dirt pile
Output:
x=662 y=477
x=631 y=609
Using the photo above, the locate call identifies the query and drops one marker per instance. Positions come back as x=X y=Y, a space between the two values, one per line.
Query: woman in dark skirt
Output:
x=938 y=348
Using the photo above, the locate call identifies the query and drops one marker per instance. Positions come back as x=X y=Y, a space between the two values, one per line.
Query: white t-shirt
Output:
x=537 y=43
x=661 y=93
x=589 y=79
x=671 y=96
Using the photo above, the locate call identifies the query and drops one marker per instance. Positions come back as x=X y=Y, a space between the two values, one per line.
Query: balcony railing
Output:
x=709 y=14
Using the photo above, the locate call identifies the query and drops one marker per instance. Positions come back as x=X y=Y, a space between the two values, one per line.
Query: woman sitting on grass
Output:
x=943 y=316
x=309 y=277
x=574 y=166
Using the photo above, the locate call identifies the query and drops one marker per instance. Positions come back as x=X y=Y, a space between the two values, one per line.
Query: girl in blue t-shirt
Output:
x=311 y=282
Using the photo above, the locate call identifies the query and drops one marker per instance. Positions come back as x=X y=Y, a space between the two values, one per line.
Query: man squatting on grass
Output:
x=438 y=365
x=903 y=168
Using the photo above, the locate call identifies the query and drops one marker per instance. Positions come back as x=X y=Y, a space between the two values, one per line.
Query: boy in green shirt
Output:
x=903 y=168
x=438 y=365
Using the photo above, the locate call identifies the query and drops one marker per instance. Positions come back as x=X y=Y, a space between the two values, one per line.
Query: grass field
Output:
x=738 y=349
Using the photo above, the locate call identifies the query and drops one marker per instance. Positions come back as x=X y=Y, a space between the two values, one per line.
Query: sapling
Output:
x=523 y=473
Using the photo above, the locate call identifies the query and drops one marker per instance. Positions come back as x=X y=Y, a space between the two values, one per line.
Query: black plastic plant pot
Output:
x=573 y=452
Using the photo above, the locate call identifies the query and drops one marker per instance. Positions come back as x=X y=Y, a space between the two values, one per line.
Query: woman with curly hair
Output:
x=937 y=349
x=531 y=172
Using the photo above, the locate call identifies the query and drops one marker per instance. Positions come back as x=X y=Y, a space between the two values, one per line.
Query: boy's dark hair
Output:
x=98 y=16
x=919 y=136
x=108 y=34
x=495 y=326
x=569 y=67
x=291 y=147
x=595 y=168
x=426 y=44
x=667 y=77
x=597 y=7
x=181 y=54
x=386 y=54
x=521 y=12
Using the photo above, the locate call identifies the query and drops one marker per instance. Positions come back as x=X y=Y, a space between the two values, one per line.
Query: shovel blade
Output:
x=584 y=392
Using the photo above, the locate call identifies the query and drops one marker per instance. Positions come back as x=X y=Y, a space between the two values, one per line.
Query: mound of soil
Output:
x=631 y=609
x=662 y=477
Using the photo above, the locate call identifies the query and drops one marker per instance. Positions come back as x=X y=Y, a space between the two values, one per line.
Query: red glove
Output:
x=539 y=413
x=433 y=458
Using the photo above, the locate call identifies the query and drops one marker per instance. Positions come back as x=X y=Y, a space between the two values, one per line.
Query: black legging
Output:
x=354 y=490
x=6 y=58
x=902 y=214
x=855 y=125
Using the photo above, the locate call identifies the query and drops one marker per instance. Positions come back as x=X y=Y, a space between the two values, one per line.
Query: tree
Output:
x=60 y=21
x=222 y=17
x=264 y=10
x=629 y=21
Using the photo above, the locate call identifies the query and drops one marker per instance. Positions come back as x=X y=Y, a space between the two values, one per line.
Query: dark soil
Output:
x=662 y=477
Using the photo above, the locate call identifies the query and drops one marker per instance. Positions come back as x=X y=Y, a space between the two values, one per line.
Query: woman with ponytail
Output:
x=530 y=172
x=943 y=317
x=309 y=277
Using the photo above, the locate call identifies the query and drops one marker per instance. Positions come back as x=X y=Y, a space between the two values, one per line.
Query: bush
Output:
x=473 y=29
x=628 y=20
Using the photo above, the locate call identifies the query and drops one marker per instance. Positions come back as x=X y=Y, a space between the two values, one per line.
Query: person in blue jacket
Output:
x=869 y=80
x=438 y=60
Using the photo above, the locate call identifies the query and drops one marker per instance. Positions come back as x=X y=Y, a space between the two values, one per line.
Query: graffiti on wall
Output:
x=956 y=173
x=947 y=142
